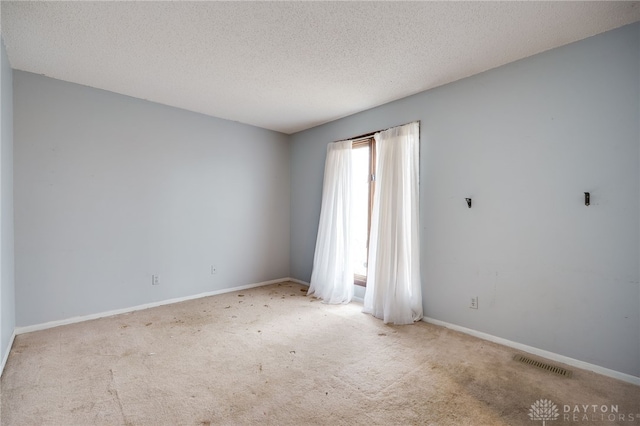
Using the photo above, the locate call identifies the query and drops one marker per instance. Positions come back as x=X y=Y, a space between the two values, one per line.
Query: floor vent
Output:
x=543 y=365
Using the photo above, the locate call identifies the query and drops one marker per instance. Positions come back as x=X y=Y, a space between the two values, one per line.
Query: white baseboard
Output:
x=298 y=281
x=6 y=354
x=539 y=352
x=73 y=320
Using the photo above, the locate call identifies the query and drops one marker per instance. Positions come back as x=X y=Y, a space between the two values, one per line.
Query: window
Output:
x=363 y=186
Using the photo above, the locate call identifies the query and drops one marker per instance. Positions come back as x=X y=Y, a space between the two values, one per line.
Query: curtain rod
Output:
x=370 y=135
x=361 y=137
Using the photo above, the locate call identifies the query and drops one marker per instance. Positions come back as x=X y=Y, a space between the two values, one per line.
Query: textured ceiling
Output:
x=293 y=65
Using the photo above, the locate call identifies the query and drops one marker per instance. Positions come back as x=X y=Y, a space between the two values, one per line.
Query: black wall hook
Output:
x=587 y=199
x=468 y=202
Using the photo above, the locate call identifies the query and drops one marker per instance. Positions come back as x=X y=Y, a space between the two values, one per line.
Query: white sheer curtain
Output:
x=332 y=275
x=393 y=290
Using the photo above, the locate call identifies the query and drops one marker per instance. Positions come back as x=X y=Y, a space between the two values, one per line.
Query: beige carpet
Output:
x=271 y=355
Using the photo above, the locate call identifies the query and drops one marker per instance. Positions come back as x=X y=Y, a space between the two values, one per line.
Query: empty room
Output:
x=330 y=213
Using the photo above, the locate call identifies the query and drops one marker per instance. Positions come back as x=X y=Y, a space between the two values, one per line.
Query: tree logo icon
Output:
x=544 y=410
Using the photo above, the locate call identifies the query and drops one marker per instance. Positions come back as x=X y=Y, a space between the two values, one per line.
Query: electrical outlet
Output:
x=474 y=302
x=214 y=270
x=155 y=279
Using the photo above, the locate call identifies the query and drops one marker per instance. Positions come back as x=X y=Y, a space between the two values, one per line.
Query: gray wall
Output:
x=7 y=290
x=524 y=141
x=110 y=190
